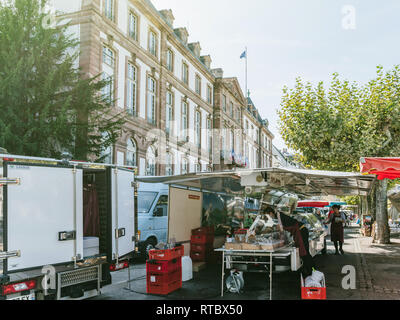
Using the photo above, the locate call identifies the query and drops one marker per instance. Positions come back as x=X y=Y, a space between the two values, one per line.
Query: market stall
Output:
x=383 y=168
x=264 y=241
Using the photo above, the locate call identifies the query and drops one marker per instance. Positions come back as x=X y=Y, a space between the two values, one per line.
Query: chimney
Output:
x=206 y=61
x=182 y=34
x=218 y=73
x=195 y=48
x=168 y=16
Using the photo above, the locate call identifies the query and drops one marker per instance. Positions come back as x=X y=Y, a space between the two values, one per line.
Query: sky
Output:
x=286 y=39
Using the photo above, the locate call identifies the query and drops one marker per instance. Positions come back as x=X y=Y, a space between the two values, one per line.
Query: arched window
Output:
x=151 y=162
x=107 y=153
x=131 y=153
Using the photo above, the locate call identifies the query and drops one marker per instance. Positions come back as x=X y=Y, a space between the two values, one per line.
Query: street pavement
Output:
x=376 y=266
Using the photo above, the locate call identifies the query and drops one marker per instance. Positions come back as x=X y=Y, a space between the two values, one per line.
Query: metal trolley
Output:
x=229 y=255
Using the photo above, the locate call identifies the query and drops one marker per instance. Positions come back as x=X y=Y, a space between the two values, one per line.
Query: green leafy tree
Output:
x=332 y=128
x=47 y=105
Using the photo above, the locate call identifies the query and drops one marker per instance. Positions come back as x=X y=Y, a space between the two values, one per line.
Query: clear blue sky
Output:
x=291 y=38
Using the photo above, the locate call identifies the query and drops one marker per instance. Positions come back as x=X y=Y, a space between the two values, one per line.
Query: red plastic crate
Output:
x=208 y=247
x=165 y=288
x=310 y=293
x=167 y=254
x=201 y=256
x=163 y=266
x=202 y=239
x=203 y=230
x=156 y=278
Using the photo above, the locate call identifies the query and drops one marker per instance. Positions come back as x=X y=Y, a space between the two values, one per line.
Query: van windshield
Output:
x=145 y=201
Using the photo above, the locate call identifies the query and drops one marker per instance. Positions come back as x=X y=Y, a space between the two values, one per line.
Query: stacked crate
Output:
x=202 y=244
x=164 y=271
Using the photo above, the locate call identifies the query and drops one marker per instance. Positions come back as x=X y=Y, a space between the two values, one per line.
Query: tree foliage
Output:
x=331 y=128
x=47 y=105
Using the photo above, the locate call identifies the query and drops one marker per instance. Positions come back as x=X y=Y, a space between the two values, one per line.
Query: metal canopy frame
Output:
x=307 y=183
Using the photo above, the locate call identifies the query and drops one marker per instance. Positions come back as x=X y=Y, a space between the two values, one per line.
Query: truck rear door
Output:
x=42 y=215
x=123 y=212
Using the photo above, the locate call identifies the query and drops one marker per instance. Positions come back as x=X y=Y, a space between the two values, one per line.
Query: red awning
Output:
x=312 y=204
x=384 y=168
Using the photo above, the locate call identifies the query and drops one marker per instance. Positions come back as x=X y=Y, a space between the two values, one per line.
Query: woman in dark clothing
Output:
x=300 y=235
x=337 y=220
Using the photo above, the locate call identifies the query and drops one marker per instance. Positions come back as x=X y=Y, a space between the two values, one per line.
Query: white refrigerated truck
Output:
x=44 y=253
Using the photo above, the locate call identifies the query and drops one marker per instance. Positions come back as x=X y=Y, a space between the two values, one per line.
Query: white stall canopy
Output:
x=300 y=181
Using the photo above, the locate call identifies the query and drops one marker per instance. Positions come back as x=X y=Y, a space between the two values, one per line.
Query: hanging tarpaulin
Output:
x=384 y=168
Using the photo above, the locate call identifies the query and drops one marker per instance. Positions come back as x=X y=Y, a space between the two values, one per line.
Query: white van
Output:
x=152 y=215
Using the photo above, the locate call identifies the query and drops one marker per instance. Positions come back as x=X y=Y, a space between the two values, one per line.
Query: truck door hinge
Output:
x=119 y=233
x=66 y=235
x=6 y=181
x=9 y=254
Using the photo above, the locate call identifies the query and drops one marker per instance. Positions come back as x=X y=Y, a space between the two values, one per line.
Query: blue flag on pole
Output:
x=243 y=55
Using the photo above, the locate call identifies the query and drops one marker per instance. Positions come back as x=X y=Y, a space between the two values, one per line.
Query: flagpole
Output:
x=247 y=95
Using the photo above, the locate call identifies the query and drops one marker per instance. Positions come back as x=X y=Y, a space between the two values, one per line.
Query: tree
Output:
x=47 y=105
x=332 y=129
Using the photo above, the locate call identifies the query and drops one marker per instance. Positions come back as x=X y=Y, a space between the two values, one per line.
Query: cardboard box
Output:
x=250 y=246
x=272 y=246
x=233 y=245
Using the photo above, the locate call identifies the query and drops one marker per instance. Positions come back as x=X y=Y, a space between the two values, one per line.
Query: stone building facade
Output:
x=257 y=138
x=229 y=103
x=162 y=83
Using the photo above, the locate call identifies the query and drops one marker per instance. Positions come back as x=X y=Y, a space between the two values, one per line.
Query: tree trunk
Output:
x=382 y=235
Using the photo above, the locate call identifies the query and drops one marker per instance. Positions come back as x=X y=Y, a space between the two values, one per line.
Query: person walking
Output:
x=337 y=220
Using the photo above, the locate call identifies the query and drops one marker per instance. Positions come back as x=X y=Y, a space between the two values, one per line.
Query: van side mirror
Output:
x=159 y=212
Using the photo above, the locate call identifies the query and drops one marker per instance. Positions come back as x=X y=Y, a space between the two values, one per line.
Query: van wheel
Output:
x=149 y=245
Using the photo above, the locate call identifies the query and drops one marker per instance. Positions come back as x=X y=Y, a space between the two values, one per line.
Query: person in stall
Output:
x=337 y=221
x=300 y=235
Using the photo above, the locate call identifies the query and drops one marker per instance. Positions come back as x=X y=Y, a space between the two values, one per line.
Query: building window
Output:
x=168 y=120
x=198 y=85
x=223 y=141
x=133 y=26
x=209 y=135
x=231 y=141
x=170 y=60
x=209 y=94
x=108 y=89
x=153 y=43
x=109 y=9
x=151 y=100
x=151 y=162
x=231 y=109
x=131 y=153
x=198 y=167
x=185 y=166
x=108 y=57
x=107 y=152
x=237 y=144
x=168 y=165
x=108 y=74
x=224 y=102
x=131 y=89
x=184 y=124
x=197 y=126
x=185 y=73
